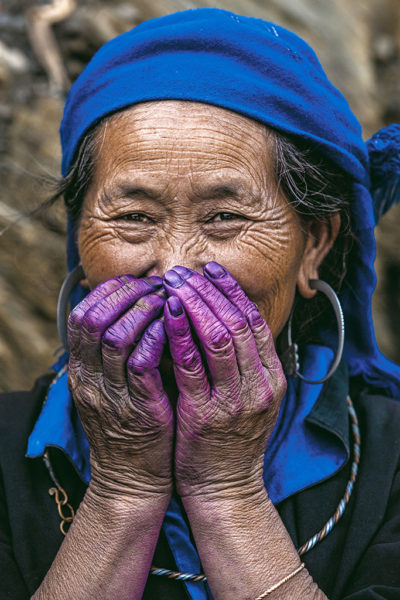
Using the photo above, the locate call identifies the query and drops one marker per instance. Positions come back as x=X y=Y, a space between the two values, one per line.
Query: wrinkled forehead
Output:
x=177 y=132
x=160 y=142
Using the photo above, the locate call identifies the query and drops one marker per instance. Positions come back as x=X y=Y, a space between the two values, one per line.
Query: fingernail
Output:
x=183 y=271
x=215 y=270
x=154 y=280
x=173 y=279
x=175 y=307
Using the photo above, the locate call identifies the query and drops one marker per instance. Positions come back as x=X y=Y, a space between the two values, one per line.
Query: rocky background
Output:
x=44 y=44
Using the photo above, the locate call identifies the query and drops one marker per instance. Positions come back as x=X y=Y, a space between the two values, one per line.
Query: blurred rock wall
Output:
x=357 y=42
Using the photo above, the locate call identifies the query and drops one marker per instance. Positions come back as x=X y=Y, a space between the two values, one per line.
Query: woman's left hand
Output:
x=230 y=384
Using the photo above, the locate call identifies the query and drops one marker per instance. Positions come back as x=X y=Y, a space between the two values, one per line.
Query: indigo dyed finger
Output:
x=212 y=334
x=228 y=285
x=144 y=379
x=120 y=339
x=190 y=374
x=76 y=317
x=232 y=318
x=103 y=314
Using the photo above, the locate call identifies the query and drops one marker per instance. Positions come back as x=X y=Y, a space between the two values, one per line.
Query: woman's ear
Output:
x=321 y=236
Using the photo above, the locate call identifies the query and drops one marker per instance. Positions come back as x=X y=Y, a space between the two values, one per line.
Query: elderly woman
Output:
x=217 y=189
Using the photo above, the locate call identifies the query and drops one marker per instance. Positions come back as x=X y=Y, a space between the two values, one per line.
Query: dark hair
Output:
x=312 y=184
x=317 y=189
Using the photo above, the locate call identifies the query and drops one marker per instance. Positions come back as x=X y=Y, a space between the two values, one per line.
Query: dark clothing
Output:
x=359 y=560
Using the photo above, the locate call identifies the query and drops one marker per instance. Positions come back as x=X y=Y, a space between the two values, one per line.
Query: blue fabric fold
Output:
x=384 y=159
x=297 y=455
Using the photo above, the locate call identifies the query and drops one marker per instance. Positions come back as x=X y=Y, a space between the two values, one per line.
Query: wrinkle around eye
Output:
x=224 y=230
x=134 y=232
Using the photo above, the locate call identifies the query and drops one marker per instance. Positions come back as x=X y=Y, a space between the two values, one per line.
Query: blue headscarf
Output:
x=262 y=71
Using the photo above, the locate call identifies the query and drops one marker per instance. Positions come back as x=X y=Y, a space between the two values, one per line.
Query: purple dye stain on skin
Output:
x=155 y=332
x=149 y=350
x=175 y=306
x=128 y=329
x=154 y=280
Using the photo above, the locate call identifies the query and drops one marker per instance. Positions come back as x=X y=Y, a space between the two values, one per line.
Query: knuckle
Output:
x=265 y=400
x=92 y=320
x=239 y=323
x=136 y=365
x=141 y=363
x=82 y=388
x=155 y=421
x=190 y=360
x=113 y=340
x=220 y=339
x=147 y=359
x=75 y=319
x=255 y=319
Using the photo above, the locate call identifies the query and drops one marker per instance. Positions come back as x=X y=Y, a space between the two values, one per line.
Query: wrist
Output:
x=230 y=510
x=246 y=531
x=109 y=484
x=245 y=492
x=148 y=507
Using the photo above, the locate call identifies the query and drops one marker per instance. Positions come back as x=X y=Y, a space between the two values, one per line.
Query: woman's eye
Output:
x=139 y=217
x=225 y=216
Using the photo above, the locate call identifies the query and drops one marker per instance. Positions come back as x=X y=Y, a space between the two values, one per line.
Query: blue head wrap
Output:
x=267 y=73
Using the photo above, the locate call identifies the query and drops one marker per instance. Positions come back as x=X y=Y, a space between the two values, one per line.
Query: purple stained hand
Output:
x=229 y=400
x=228 y=375
x=116 y=341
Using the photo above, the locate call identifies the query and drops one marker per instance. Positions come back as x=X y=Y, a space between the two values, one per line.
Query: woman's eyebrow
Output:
x=239 y=190
x=216 y=191
x=209 y=191
x=133 y=191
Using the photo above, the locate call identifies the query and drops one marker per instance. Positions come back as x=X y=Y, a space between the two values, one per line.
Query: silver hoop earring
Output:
x=71 y=280
x=290 y=357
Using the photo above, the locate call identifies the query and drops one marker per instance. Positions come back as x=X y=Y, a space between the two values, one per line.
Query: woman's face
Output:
x=185 y=183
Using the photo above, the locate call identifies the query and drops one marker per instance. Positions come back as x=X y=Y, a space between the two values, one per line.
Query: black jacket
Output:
x=359 y=560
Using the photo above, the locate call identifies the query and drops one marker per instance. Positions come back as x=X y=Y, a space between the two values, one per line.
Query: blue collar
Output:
x=310 y=443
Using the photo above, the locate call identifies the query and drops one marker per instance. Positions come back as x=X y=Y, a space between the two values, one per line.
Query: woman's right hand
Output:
x=117 y=388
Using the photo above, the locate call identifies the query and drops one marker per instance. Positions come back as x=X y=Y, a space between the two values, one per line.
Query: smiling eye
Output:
x=139 y=217
x=225 y=216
